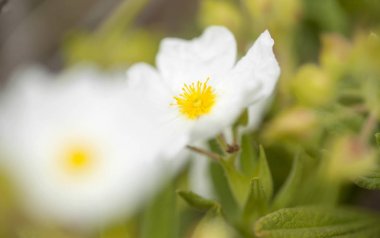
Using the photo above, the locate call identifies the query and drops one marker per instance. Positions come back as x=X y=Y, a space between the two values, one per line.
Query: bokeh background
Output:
x=38 y=31
x=328 y=50
x=51 y=31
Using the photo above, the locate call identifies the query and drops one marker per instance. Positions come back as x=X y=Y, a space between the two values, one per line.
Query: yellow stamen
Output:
x=78 y=159
x=195 y=100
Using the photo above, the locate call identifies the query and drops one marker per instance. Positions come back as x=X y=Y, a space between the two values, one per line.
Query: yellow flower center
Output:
x=195 y=100
x=78 y=159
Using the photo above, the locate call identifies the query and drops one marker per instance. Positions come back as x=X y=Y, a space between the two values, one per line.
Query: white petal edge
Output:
x=209 y=56
x=258 y=66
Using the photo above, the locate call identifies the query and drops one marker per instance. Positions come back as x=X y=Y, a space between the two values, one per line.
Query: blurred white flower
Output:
x=78 y=145
x=197 y=87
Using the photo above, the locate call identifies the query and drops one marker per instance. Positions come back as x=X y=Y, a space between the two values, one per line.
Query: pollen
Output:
x=196 y=100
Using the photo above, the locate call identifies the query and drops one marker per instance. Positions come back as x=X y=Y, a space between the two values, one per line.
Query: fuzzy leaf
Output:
x=290 y=189
x=370 y=181
x=305 y=222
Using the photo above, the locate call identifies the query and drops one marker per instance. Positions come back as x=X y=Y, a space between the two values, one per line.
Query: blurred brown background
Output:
x=31 y=31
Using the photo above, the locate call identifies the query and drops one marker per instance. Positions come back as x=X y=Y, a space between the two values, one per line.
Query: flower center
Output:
x=78 y=159
x=195 y=100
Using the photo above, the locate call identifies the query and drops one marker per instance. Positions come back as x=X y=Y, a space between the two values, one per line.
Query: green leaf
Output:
x=264 y=173
x=160 y=219
x=306 y=185
x=238 y=183
x=222 y=190
x=377 y=136
x=248 y=160
x=370 y=181
x=305 y=222
x=291 y=188
x=197 y=201
x=257 y=202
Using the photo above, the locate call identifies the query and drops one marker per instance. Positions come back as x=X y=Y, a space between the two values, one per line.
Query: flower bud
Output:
x=312 y=86
x=334 y=54
x=348 y=158
x=279 y=13
x=294 y=123
x=223 y=13
x=212 y=228
x=364 y=58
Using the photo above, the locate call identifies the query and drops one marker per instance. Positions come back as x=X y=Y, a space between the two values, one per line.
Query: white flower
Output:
x=197 y=87
x=78 y=146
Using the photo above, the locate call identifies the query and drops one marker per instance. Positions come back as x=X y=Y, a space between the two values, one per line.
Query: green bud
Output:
x=274 y=13
x=216 y=12
x=348 y=157
x=295 y=124
x=212 y=228
x=312 y=86
x=365 y=53
x=334 y=54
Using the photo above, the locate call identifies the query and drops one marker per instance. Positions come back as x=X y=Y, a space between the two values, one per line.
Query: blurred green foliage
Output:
x=116 y=50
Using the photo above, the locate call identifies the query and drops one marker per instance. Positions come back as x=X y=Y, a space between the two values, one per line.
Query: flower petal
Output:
x=145 y=80
x=252 y=80
x=153 y=102
x=256 y=112
x=258 y=66
x=228 y=107
x=209 y=56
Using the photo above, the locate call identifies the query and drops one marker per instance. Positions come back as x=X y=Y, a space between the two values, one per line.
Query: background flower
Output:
x=77 y=146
